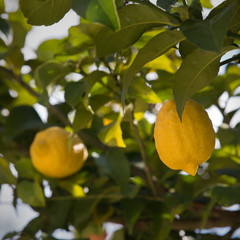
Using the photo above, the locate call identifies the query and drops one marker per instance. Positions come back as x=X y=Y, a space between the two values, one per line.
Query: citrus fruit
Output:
x=183 y=145
x=56 y=153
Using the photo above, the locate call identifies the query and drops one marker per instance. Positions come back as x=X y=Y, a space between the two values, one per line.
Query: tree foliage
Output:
x=114 y=69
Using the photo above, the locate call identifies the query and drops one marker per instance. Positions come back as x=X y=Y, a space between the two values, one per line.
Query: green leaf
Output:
x=226 y=196
x=103 y=11
x=25 y=168
x=135 y=19
x=198 y=69
x=228 y=136
x=132 y=210
x=139 y=90
x=167 y=5
x=155 y=47
x=51 y=73
x=22 y=118
x=82 y=117
x=2 y=6
x=80 y=7
x=72 y=187
x=112 y=134
x=115 y=165
x=31 y=193
x=119 y=234
x=83 y=210
x=209 y=34
x=74 y=92
x=44 y=12
x=4 y=28
x=6 y=175
x=206 y=4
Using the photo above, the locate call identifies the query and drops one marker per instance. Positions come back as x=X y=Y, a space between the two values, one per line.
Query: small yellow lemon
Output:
x=56 y=153
x=184 y=145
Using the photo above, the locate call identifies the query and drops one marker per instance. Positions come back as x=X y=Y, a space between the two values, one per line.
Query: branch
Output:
x=85 y=137
x=144 y=157
x=234 y=58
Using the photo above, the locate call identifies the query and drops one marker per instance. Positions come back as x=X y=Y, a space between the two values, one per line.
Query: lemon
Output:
x=56 y=153
x=184 y=145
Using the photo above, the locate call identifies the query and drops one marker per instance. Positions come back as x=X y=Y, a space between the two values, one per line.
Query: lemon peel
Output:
x=184 y=145
x=56 y=153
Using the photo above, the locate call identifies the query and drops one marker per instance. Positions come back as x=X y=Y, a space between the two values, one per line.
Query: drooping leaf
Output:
x=6 y=175
x=31 y=193
x=198 y=69
x=44 y=12
x=112 y=134
x=103 y=11
x=209 y=34
x=135 y=19
x=22 y=118
x=155 y=47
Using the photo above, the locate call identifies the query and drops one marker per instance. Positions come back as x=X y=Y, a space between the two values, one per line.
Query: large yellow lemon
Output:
x=184 y=145
x=56 y=153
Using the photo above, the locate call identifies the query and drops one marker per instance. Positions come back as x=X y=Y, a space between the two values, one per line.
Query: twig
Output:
x=235 y=57
x=20 y=81
x=144 y=158
x=54 y=110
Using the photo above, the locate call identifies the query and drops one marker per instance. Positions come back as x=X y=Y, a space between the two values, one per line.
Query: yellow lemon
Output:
x=184 y=145
x=56 y=153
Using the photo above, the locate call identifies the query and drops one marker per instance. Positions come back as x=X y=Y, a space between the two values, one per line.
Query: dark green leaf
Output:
x=51 y=73
x=114 y=164
x=83 y=210
x=155 y=47
x=22 y=118
x=74 y=92
x=103 y=11
x=135 y=19
x=31 y=193
x=166 y=4
x=198 y=69
x=4 y=28
x=44 y=12
x=6 y=175
x=82 y=117
x=132 y=210
x=228 y=136
x=209 y=34
x=80 y=7
x=119 y=234
x=226 y=196
x=25 y=168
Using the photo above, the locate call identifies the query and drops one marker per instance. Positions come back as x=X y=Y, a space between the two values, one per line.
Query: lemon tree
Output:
x=132 y=118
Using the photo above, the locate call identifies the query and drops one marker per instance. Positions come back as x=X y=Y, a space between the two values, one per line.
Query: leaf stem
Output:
x=144 y=157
